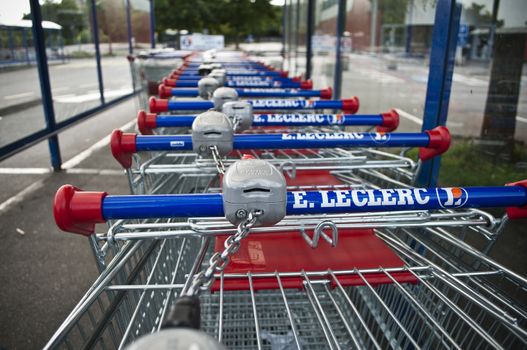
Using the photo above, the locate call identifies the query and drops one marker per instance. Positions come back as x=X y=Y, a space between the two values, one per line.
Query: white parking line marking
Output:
x=88 y=85
x=451 y=124
x=86 y=171
x=23 y=94
x=20 y=196
x=95 y=147
x=24 y=171
x=520 y=119
x=60 y=89
x=91 y=96
x=409 y=116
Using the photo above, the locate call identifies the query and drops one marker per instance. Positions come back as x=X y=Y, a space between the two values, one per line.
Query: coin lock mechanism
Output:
x=210 y=129
x=220 y=76
x=206 y=87
x=240 y=113
x=222 y=95
x=204 y=69
x=254 y=185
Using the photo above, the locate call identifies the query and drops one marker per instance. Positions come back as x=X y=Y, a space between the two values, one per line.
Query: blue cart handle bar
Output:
x=78 y=211
x=292 y=84
x=384 y=122
x=348 y=105
x=431 y=142
x=325 y=94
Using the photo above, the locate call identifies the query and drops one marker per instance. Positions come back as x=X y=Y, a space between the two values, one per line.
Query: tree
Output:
x=67 y=14
x=232 y=18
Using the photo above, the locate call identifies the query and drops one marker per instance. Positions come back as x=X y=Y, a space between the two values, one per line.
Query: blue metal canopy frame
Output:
x=53 y=128
x=442 y=58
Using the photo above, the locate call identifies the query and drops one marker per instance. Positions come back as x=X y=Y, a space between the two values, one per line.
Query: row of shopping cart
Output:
x=261 y=217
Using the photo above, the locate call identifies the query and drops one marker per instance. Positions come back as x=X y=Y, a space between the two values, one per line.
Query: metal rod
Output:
x=152 y=25
x=253 y=302
x=288 y=310
x=341 y=24
x=95 y=33
x=45 y=85
x=309 y=36
x=442 y=54
x=129 y=27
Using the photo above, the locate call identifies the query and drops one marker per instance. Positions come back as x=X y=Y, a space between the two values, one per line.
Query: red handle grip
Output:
x=146 y=122
x=390 y=121
x=78 y=211
x=326 y=94
x=123 y=147
x=157 y=105
x=169 y=82
x=439 y=143
x=164 y=91
x=306 y=85
x=518 y=212
x=350 y=105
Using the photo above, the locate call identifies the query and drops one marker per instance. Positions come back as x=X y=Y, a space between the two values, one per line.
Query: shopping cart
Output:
x=244 y=119
x=149 y=68
x=164 y=163
x=394 y=272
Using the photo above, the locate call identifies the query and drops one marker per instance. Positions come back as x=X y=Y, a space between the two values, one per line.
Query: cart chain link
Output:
x=219 y=261
x=217 y=159
x=235 y=124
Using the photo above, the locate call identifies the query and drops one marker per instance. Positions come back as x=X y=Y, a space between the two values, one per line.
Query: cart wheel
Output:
x=177 y=339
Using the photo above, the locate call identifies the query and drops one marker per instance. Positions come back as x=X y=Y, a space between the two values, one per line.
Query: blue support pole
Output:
x=284 y=32
x=45 y=86
x=129 y=27
x=152 y=26
x=309 y=36
x=442 y=55
x=408 y=46
x=341 y=24
x=26 y=48
x=11 y=44
x=95 y=33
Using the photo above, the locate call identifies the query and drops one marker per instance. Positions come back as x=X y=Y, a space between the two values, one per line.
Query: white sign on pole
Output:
x=202 y=42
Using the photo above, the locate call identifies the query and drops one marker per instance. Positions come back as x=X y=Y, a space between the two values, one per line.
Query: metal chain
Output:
x=219 y=261
x=236 y=124
x=217 y=159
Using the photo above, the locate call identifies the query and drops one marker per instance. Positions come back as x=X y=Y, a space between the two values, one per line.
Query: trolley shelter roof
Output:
x=26 y=23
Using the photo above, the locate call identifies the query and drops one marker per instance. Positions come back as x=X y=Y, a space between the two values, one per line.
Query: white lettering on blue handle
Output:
x=448 y=197
x=281 y=103
x=324 y=136
x=177 y=144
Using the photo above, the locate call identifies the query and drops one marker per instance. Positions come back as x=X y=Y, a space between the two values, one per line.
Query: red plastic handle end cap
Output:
x=297 y=79
x=439 y=143
x=390 y=121
x=326 y=94
x=123 y=147
x=518 y=212
x=164 y=91
x=306 y=85
x=158 y=105
x=146 y=122
x=351 y=105
x=77 y=211
x=169 y=82
x=284 y=73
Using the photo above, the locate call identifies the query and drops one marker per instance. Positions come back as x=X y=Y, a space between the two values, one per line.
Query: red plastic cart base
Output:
x=288 y=252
